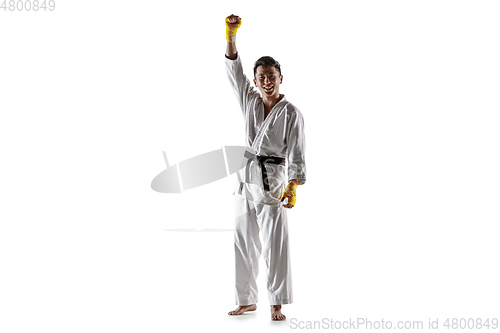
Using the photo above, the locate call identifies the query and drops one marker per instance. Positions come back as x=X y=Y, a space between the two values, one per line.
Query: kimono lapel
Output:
x=265 y=124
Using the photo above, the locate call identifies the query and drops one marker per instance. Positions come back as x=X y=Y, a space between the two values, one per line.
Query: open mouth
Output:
x=268 y=89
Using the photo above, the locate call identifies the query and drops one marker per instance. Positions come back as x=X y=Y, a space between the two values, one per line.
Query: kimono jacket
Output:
x=280 y=134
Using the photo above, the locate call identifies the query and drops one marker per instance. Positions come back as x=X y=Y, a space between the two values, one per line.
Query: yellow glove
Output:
x=291 y=190
x=233 y=22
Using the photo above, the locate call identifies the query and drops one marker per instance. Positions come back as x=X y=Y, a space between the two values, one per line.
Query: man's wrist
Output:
x=231 y=38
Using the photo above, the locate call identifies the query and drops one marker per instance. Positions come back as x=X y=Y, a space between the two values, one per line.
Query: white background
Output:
x=398 y=219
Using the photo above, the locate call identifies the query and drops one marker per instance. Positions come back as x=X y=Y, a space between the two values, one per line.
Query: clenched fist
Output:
x=233 y=22
x=290 y=194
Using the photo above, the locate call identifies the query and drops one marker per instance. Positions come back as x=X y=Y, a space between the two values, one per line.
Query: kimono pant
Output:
x=271 y=223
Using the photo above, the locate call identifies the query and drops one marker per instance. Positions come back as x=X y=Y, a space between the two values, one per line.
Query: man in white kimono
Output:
x=275 y=135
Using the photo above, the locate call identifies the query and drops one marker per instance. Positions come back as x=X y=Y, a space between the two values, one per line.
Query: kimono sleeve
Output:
x=296 y=147
x=242 y=87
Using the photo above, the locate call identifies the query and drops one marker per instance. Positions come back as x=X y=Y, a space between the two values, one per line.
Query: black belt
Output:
x=262 y=160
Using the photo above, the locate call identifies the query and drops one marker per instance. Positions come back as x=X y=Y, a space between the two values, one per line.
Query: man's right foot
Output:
x=241 y=309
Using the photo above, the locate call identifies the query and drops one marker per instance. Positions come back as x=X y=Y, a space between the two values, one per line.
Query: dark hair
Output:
x=266 y=62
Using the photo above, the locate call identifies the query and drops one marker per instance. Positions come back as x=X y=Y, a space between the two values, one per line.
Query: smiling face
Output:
x=268 y=80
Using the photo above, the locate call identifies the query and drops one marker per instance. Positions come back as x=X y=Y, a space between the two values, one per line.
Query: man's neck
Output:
x=269 y=103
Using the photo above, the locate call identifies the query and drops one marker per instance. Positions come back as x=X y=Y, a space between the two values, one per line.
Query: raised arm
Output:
x=242 y=86
x=233 y=22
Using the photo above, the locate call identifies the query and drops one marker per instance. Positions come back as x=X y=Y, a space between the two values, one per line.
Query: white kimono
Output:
x=281 y=134
x=259 y=211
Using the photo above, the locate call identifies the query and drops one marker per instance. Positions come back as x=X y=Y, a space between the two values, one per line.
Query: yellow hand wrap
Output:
x=231 y=32
x=291 y=188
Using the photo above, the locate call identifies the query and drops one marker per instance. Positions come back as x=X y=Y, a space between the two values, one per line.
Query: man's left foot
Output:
x=276 y=313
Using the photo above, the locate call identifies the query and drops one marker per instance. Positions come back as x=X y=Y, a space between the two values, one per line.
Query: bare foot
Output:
x=276 y=313
x=240 y=309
